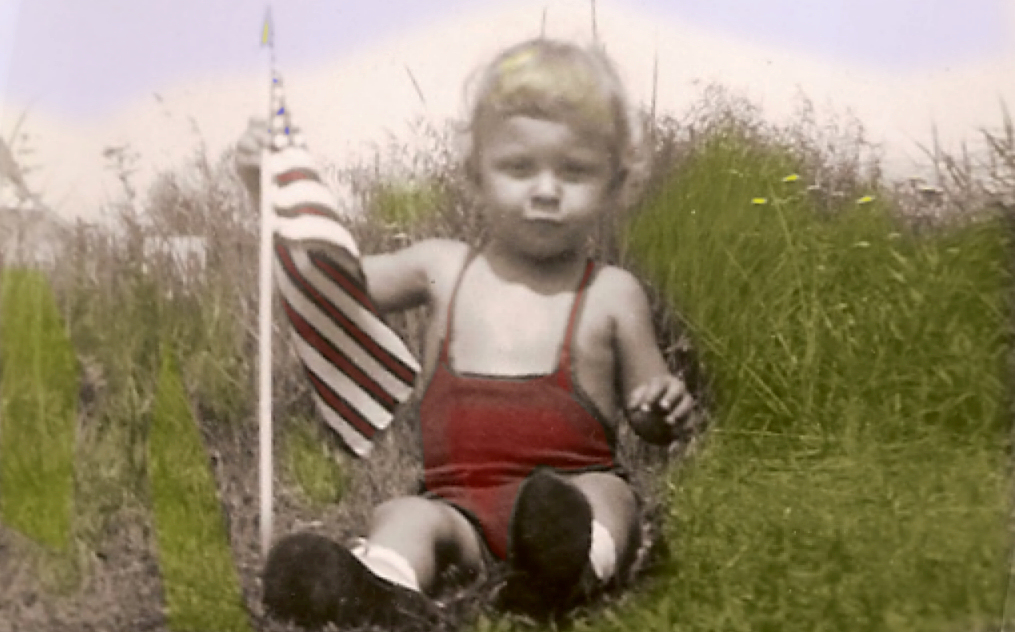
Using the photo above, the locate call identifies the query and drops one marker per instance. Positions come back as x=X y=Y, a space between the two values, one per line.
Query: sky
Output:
x=84 y=58
x=90 y=74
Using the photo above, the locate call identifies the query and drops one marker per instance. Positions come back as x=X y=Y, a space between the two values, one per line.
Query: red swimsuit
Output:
x=483 y=435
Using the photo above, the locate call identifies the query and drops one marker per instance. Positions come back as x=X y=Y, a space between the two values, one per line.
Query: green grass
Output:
x=814 y=323
x=310 y=463
x=38 y=408
x=200 y=584
x=405 y=204
x=766 y=534
x=856 y=479
x=772 y=537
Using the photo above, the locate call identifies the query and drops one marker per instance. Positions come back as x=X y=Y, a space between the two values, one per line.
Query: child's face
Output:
x=543 y=184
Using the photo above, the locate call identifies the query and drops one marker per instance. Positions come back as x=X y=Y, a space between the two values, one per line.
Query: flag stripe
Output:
x=293 y=157
x=310 y=291
x=349 y=395
x=304 y=193
x=345 y=313
x=295 y=175
x=390 y=344
x=335 y=356
x=341 y=278
x=378 y=342
x=332 y=331
x=298 y=212
x=318 y=232
x=354 y=441
x=337 y=403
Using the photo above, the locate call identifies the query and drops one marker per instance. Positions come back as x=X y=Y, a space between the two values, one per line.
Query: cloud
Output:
x=350 y=104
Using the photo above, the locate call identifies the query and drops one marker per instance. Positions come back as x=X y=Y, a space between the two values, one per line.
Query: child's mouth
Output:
x=544 y=221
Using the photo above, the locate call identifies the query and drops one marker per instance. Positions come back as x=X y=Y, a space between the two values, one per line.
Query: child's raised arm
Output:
x=654 y=398
x=405 y=278
x=396 y=281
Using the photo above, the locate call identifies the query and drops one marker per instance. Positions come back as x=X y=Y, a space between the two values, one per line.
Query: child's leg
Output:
x=569 y=535
x=313 y=580
x=615 y=522
x=422 y=536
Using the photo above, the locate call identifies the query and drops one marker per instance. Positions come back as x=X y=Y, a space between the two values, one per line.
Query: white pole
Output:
x=265 y=260
x=264 y=356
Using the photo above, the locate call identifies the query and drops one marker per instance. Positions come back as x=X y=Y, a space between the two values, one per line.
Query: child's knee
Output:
x=613 y=501
x=417 y=517
x=404 y=511
x=426 y=528
x=616 y=527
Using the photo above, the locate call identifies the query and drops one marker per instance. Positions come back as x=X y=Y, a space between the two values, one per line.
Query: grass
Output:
x=856 y=476
x=842 y=325
x=38 y=409
x=769 y=535
x=195 y=559
x=310 y=463
x=854 y=351
x=905 y=537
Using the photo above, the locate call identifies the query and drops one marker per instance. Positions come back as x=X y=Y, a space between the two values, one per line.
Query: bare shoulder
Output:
x=618 y=292
x=445 y=248
x=617 y=279
x=441 y=258
x=414 y=275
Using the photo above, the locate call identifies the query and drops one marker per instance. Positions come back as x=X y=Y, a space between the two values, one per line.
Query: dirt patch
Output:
x=119 y=585
x=116 y=587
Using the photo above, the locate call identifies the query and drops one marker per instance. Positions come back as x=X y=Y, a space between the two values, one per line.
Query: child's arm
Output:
x=404 y=279
x=398 y=280
x=655 y=399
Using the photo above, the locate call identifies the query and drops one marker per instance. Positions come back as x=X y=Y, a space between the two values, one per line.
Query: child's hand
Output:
x=254 y=141
x=656 y=407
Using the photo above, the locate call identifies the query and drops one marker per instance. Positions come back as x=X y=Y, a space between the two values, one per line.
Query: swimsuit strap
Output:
x=563 y=374
x=446 y=342
x=563 y=371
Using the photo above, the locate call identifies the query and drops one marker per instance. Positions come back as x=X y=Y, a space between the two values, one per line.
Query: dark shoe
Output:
x=311 y=581
x=550 y=539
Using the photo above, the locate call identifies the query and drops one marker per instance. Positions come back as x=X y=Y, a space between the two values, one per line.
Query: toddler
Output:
x=535 y=353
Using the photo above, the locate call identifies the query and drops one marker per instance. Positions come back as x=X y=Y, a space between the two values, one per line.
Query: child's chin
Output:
x=553 y=254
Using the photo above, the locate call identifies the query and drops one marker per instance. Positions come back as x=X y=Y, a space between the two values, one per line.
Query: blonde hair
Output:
x=557 y=81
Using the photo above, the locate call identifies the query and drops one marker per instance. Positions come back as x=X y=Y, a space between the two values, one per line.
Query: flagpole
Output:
x=264 y=324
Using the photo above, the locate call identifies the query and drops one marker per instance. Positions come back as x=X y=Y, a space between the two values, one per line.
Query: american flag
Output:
x=358 y=367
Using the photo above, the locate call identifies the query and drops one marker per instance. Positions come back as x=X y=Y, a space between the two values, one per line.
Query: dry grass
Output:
x=121 y=309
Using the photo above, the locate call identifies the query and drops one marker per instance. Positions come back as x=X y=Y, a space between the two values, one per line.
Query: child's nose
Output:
x=547 y=187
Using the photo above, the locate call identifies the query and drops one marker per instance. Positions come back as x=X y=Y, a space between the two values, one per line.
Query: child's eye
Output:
x=578 y=170
x=516 y=168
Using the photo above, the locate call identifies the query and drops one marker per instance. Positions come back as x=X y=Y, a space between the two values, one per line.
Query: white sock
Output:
x=603 y=553
x=387 y=564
